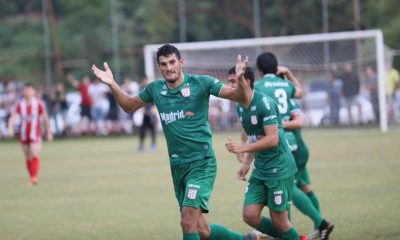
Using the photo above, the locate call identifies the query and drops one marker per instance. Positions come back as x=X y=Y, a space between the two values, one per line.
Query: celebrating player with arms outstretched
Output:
x=31 y=109
x=182 y=103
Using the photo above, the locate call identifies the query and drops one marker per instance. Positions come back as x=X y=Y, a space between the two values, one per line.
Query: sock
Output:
x=291 y=234
x=311 y=195
x=304 y=204
x=29 y=166
x=191 y=236
x=219 y=232
x=267 y=227
x=35 y=166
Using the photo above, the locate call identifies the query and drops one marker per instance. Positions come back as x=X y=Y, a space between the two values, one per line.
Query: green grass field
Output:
x=99 y=188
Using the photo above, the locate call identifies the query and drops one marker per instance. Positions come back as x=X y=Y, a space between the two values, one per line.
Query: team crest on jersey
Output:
x=185 y=91
x=254 y=119
x=253 y=108
x=192 y=193
x=163 y=93
x=240 y=109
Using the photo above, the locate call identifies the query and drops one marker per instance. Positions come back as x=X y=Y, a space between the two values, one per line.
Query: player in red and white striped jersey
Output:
x=31 y=111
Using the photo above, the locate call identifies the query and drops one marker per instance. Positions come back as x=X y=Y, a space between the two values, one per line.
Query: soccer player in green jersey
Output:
x=271 y=182
x=182 y=103
x=283 y=91
x=304 y=197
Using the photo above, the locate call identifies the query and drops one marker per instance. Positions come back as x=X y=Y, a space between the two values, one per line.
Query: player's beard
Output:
x=173 y=80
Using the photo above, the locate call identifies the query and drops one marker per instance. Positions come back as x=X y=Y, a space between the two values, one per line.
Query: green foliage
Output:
x=21 y=51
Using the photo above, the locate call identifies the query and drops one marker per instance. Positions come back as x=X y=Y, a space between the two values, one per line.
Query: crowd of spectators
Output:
x=89 y=108
x=346 y=88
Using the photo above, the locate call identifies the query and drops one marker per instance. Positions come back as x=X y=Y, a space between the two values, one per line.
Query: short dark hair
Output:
x=232 y=70
x=248 y=75
x=267 y=63
x=166 y=50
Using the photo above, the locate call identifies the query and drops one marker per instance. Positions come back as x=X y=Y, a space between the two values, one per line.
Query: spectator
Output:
x=334 y=95
x=372 y=87
x=59 y=108
x=215 y=113
x=100 y=106
x=86 y=102
x=7 y=102
x=149 y=122
x=112 y=123
x=132 y=89
x=392 y=82
x=351 y=90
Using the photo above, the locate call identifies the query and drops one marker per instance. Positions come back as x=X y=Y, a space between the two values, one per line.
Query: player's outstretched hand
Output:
x=105 y=76
x=243 y=171
x=240 y=66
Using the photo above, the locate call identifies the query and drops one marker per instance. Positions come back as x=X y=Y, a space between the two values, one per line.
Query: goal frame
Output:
x=150 y=50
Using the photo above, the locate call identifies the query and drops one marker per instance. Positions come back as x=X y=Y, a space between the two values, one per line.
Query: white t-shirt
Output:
x=97 y=93
x=132 y=89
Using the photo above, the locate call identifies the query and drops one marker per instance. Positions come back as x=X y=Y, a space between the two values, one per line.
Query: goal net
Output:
x=340 y=72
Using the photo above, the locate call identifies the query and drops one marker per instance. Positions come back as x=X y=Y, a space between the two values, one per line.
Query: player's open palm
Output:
x=105 y=76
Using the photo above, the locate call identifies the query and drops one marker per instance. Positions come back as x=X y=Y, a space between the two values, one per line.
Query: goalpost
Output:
x=310 y=57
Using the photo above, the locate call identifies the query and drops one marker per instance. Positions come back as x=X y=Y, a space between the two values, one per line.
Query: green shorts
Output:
x=275 y=194
x=302 y=178
x=193 y=183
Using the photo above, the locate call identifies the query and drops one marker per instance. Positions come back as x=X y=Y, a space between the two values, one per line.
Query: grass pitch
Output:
x=99 y=188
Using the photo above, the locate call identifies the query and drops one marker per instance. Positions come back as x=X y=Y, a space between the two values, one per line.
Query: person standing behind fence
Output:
x=7 y=102
x=392 y=82
x=100 y=107
x=86 y=103
x=132 y=89
x=351 y=91
x=59 y=108
x=334 y=94
x=149 y=122
x=372 y=86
